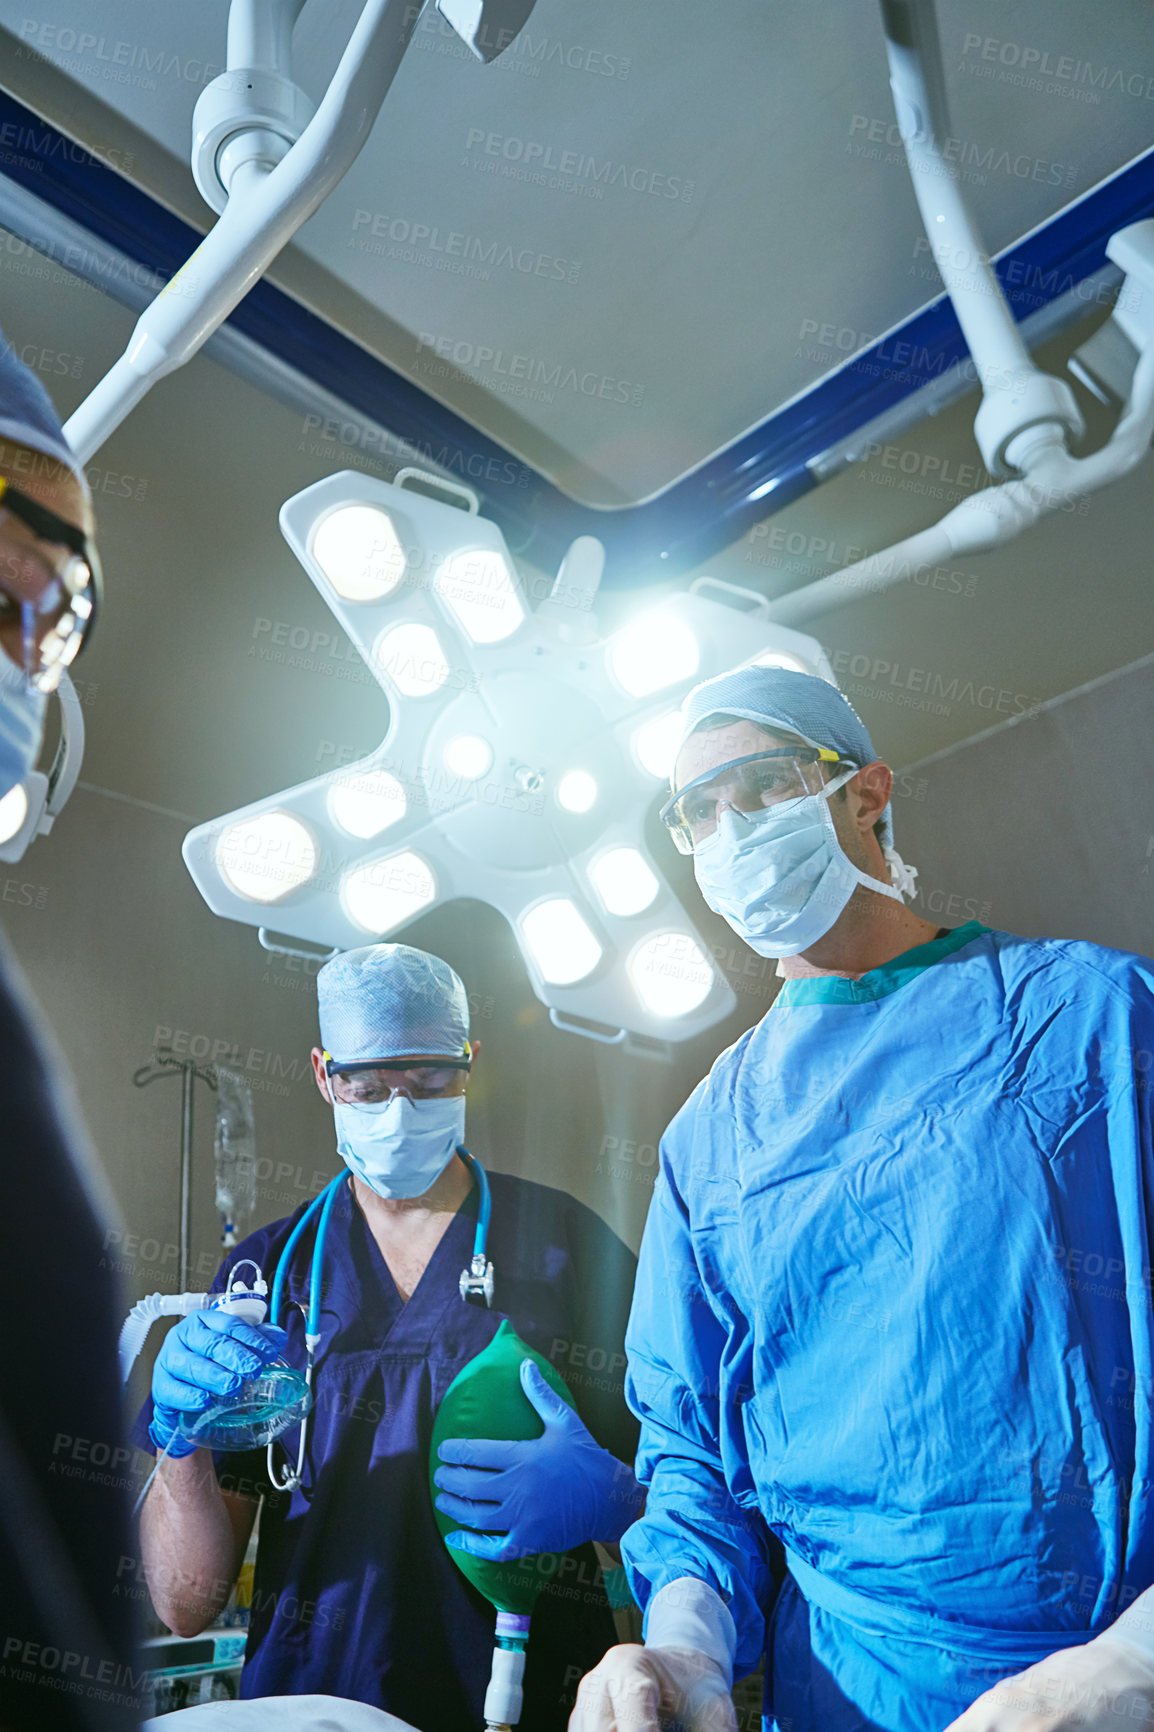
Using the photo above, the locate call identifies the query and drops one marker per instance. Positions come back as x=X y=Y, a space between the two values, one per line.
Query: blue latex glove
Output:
x=206 y=1355
x=545 y=1495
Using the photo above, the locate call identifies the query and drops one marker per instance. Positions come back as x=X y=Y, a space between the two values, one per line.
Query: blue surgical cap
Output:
x=390 y=1000
x=26 y=413
x=801 y=704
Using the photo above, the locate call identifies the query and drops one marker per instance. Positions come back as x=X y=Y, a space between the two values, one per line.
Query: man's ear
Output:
x=322 y=1081
x=874 y=783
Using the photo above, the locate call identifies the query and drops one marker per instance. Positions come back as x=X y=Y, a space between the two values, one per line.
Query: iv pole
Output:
x=164 y=1063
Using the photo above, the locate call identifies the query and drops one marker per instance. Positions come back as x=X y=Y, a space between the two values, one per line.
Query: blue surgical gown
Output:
x=355 y=1593
x=892 y=1332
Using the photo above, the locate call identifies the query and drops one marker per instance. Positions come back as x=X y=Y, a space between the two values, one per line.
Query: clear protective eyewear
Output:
x=49 y=587
x=370 y=1082
x=747 y=784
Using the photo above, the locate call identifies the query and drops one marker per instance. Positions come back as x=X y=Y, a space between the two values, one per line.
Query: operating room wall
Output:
x=1043 y=824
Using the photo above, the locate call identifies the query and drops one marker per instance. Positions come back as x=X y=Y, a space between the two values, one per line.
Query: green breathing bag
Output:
x=485 y=1399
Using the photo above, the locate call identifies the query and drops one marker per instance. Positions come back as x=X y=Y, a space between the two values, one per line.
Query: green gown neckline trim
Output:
x=888 y=977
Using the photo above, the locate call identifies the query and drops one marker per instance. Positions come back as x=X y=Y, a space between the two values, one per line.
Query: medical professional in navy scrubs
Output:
x=355 y=1593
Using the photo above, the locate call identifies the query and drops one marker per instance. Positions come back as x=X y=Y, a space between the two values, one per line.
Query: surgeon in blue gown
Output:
x=355 y=1593
x=892 y=1344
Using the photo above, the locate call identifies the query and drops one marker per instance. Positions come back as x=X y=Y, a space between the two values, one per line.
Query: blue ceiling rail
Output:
x=690 y=520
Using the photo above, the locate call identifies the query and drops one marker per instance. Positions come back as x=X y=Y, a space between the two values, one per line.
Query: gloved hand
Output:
x=545 y=1495
x=1105 y=1684
x=637 y=1689
x=206 y=1354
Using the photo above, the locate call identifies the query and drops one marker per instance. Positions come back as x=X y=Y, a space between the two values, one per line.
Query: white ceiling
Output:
x=756 y=192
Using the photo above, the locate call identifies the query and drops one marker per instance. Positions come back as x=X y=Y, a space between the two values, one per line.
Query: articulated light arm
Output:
x=258 y=150
x=252 y=229
x=1025 y=415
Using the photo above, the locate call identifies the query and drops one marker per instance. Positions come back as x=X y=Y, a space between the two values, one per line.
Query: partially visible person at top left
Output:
x=67 y=1652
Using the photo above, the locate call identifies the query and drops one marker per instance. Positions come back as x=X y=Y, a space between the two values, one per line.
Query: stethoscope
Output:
x=475 y=1285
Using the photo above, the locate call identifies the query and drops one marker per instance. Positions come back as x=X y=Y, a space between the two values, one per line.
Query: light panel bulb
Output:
x=655 y=743
x=468 y=756
x=559 y=941
x=656 y=650
x=670 y=973
x=359 y=552
x=380 y=894
x=577 y=790
x=624 y=880
x=265 y=856
x=13 y=811
x=477 y=587
x=366 y=803
x=412 y=657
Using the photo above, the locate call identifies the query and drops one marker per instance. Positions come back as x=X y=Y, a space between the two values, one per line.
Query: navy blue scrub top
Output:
x=355 y=1593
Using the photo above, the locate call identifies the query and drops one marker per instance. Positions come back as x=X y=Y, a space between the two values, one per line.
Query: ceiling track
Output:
x=671 y=532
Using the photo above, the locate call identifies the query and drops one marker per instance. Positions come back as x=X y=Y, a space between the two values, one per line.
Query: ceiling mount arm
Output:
x=272 y=197
x=1016 y=395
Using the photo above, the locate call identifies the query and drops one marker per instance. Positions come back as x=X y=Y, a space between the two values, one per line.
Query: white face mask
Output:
x=400 y=1147
x=779 y=876
x=21 y=725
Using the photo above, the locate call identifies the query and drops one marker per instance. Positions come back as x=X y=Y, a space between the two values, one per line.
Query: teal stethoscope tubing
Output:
x=322 y=1206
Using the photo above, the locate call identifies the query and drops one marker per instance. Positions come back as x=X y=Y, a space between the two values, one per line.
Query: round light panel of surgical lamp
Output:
x=379 y=894
x=477 y=587
x=265 y=856
x=468 y=756
x=577 y=791
x=670 y=973
x=13 y=811
x=655 y=743
x=560 y=941
x=654 y=651
x=365 y=802
x=624 y=880
x=412 y=657
x=359 y=552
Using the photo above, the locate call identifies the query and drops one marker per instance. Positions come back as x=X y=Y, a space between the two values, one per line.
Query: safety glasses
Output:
x=371 y=1081
x=49 y=587
x=747 y=784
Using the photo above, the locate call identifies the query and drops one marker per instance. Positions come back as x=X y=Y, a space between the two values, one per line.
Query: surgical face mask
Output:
x=780 y=876
x=400 y=1147
x=21 y=725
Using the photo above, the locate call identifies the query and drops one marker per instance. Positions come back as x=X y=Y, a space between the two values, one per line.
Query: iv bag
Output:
x=234 y=1148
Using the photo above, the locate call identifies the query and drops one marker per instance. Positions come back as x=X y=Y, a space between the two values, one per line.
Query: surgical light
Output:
x=359 y=552
x=577 y=791
x=624 y=880
x=654 y=651
x=655 y=743
x=671 y=974
x=266 y=856
x=378 y=895
x=13 y=811
x=518 y=768
x=477 y=588
x=412 y=657
x=559 y=941
x=365 y=803
x=468 y=756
